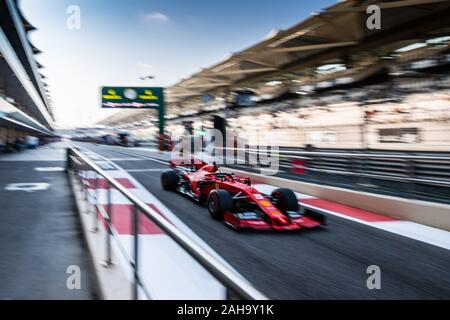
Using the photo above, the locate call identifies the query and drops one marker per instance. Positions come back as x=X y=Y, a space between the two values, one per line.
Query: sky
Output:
x=117 y=42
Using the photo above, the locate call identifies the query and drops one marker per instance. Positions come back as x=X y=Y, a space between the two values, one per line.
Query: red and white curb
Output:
x=420 y=232
x=168 y=272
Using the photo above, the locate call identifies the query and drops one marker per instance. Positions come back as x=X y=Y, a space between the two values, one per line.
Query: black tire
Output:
x=285 y=200
x=169 y=180
x=219 y=201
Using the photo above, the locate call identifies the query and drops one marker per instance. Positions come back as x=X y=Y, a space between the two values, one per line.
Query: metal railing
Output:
x=431 y=172
x=237 y=287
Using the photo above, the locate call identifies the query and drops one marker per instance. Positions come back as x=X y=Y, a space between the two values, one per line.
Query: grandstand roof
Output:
x=289 y=58
x=15 y=27
x=336 y=34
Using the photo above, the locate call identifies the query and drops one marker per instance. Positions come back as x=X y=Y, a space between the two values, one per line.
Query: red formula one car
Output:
x=235 y=201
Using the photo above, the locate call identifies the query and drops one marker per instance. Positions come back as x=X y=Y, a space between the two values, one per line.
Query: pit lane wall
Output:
x=423 y=212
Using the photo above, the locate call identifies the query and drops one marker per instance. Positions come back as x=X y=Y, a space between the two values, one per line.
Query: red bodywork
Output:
x=203 y=180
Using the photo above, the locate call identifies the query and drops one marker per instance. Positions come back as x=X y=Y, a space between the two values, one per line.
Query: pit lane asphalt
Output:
x=326 y=263
x=40 y=233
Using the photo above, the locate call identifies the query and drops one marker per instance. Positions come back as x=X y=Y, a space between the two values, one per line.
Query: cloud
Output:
x=143 y=65
x=156 y=17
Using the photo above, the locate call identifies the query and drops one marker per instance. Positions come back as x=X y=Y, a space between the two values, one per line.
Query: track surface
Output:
x=326 y=263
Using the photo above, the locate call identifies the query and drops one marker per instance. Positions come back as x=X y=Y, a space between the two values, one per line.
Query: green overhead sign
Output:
x=132 y=98
x=137 y=98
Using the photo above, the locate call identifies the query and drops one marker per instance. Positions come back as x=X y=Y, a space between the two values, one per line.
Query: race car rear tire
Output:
x=219 y=201
x=286 y=200
x=169 y=180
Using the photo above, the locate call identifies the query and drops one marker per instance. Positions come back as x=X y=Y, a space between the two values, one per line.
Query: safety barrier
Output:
x=422 y=177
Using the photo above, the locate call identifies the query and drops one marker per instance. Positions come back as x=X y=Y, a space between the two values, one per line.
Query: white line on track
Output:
x=49 y=169
x=408 y=229
x=145 y=170
x=125 y=159
x=139 y=156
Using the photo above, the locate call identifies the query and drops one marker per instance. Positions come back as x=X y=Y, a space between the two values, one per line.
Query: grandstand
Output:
x=25 y=105
x=313 y=86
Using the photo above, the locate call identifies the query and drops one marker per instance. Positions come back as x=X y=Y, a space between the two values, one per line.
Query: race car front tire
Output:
x=169 y=180
x=219 y=201
x=286 y=200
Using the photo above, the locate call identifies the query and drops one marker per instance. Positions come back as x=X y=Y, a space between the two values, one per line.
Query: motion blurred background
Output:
x=355 y=97
x=328 y=84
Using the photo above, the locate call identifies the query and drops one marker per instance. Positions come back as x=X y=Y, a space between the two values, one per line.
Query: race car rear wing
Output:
x=188 y=163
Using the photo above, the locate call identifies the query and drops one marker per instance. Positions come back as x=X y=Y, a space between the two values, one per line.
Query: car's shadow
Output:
x=299 y=232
